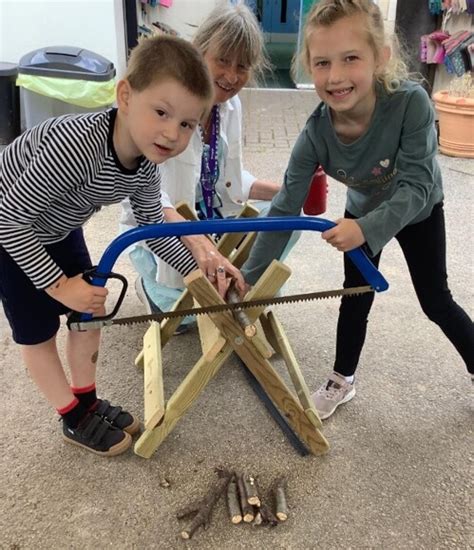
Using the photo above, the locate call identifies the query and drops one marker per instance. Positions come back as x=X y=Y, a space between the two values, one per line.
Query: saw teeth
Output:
x=217 y=308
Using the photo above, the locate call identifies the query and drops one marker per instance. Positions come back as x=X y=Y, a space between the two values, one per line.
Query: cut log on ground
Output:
x=248 y=514
x=258 y=517
x=203 y=509
x=233 y=502
x=268 y=517
x=251 y=490
x=281 y=506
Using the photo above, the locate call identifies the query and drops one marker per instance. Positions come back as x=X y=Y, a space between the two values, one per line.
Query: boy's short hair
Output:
x=159 y=58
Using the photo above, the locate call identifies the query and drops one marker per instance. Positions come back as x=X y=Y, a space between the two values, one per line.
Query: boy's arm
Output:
x=148 y=209
x=287 y=202
x=48 y=175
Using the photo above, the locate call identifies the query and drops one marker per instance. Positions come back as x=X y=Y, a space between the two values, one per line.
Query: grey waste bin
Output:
x=58 y=80
x=9 y=103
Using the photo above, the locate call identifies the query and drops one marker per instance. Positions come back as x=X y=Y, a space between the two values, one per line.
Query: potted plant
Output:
x=455 y=108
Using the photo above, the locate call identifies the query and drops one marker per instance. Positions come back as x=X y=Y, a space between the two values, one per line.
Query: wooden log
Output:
x=268 y=517
x=203 y=515
x=258 y=518
x=188 y=510
x=240 y=315
x=249 y=328
x=248 y=514
x=281 y=506
x=233 y=503
x=139 y=359
x=251 y=490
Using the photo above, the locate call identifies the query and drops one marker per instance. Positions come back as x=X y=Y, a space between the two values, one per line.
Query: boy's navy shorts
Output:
x=33 y=315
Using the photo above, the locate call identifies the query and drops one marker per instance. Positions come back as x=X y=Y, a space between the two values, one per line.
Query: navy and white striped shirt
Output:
x=55 y=176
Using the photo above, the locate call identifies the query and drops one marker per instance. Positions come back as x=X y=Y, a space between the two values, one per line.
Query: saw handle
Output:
x=236 y=225
x=91 y=276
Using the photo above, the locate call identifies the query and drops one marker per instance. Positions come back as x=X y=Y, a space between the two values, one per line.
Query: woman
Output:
x=209 y=174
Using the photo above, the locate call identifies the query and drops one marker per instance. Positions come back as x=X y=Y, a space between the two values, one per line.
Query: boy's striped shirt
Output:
x=55 y=176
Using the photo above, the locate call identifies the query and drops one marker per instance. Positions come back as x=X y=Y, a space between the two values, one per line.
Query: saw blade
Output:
x=96 y=323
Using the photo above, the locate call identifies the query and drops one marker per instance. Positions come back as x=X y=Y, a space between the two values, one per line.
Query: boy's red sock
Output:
x=86 y=395
x=73 y=413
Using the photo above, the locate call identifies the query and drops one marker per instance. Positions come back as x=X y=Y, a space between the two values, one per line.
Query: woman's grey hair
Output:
x=233 y=30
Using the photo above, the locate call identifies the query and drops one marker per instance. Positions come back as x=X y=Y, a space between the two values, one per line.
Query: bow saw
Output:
x=99 y=275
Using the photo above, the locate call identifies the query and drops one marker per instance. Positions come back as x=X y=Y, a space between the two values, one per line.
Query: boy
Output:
x=53 y=178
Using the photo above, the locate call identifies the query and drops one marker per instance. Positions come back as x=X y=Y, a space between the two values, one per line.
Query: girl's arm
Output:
x=287 y=202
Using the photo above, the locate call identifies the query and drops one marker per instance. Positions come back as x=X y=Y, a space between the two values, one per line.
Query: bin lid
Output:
x=8 y=69
x=67 y=62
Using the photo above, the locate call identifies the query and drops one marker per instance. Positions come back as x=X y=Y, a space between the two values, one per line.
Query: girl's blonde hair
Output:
x=327 y=12
x=233 y=30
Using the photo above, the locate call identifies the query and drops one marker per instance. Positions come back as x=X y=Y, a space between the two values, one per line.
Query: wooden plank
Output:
x=139 y=360
x=183 y=208
x=294 y=369
x=208 y=332
x=242 y=253
x=168 y=326
x=272 y=279
x=230 y=241
x=154 y=396
x=275 y=387
x=268 y=331
x=182 y=399
x=188 y=213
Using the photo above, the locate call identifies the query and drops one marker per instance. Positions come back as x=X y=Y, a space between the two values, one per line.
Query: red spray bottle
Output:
x=316 y=200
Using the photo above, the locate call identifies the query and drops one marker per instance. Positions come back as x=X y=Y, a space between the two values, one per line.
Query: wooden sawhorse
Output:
x=221 y=335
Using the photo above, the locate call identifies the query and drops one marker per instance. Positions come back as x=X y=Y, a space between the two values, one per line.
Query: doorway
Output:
x=279 y=20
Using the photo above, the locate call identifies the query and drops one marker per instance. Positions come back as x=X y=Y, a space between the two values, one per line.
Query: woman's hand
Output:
x=346 y=236
x=216 y=267
x=78 y=295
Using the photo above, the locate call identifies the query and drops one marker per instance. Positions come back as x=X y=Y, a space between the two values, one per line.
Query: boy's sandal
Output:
x=98 y=436
x=117 y=417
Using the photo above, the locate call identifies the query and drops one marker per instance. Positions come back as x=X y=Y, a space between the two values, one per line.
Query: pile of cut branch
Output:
x=245 y=502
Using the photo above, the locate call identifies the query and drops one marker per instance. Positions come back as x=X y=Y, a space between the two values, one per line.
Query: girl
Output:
x=209 y=175
x=373 y=131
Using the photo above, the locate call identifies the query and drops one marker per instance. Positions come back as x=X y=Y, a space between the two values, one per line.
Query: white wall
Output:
x=98 y=25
